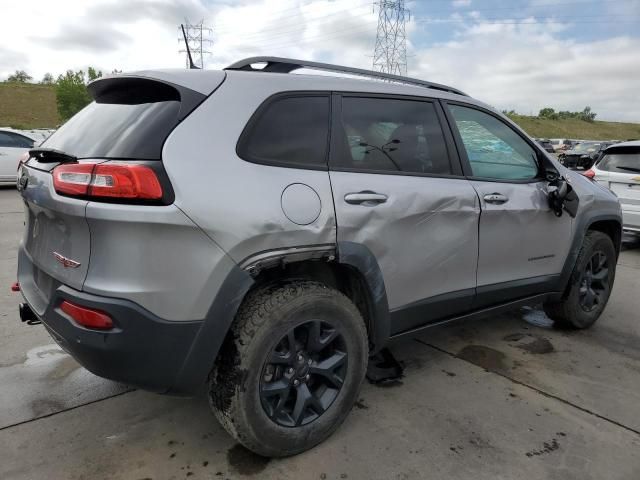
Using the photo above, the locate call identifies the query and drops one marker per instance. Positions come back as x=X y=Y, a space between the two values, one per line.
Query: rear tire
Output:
x=589 y=286
x=290 y=369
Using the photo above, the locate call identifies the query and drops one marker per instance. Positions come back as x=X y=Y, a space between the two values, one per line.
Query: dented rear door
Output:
x=396 y=192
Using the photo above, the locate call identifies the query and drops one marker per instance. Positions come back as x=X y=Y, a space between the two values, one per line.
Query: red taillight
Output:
x=87 y=317
x=73 y=179
x=15 y=287
x=107 y=180
x=590 y=174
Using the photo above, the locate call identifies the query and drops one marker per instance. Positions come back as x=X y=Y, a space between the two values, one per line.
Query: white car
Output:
x=13 y=144
x=618 y=169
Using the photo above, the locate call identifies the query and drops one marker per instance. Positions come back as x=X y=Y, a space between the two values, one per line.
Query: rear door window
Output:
x=290 y=131
x=391 y=135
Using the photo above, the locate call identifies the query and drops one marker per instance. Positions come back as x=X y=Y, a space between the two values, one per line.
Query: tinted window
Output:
x=8 y=139
x=612 y=162
x=382 y=134
x=289 y=131
x=130 y=118
x=493 y=148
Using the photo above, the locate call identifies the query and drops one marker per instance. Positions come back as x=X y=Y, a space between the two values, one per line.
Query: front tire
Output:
x=589 y=286
x=290 y=369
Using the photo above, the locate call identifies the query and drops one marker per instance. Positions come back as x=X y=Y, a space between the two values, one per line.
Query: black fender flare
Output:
x=206 y=345
x=584 y=224
x=359 y=257
x=209 y=338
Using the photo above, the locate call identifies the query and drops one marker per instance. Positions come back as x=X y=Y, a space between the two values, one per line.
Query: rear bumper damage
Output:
x=141 y=350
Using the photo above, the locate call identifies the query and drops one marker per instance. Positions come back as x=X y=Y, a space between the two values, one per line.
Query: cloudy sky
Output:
x=521 y=54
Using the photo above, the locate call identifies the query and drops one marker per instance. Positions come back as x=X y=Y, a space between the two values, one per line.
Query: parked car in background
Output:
x=561 y=144
x=618 y=169
x=38 y=134
x=583 y=155
x=546 y=144
x=13 y=144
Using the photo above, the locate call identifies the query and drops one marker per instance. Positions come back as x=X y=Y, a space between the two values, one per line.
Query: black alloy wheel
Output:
x=303 y=374
x=594 y=282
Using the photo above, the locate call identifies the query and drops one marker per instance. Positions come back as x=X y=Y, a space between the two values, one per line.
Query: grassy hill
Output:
x=574 y=128
x=26 y=105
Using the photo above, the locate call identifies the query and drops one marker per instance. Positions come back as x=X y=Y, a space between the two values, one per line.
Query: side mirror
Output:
x=562 y=197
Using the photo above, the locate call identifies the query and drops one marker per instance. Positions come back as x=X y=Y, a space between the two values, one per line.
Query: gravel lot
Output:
x=507 y=397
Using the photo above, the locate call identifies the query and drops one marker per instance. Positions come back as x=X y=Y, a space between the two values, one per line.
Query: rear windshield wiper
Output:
x=631 y=169
x=51 y=155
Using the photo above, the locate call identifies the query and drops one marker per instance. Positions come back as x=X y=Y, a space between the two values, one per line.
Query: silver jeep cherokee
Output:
x=266 y=232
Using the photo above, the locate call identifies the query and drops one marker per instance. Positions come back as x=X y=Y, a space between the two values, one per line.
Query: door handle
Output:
x=365 y=198
x=496 y=198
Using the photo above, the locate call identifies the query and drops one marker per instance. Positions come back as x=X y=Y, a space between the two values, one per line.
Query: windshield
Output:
x=586 y=147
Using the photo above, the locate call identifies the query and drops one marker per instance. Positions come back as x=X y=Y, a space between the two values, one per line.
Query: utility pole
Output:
x=390 y=54
x=197 y=38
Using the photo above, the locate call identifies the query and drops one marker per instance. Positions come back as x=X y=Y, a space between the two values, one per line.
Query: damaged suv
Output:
x=266 y=232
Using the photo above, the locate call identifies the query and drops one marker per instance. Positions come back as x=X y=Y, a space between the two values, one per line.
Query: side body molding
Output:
x=359 y=257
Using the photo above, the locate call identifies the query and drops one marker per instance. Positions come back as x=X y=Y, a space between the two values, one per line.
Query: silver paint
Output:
x=156 y=257
x=424 y=237
x=54 y=223
x=518 y=230
x=300 y=203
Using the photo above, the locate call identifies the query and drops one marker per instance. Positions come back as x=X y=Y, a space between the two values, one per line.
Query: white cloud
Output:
x=525 y=67
x=461 y=3
x=528 y=67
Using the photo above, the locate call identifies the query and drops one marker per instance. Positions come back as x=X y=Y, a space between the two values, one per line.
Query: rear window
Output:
x=129 y=118
x=611 y=162
x=288 y=131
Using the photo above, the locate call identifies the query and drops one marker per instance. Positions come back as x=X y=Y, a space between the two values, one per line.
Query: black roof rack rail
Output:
x=287 y=65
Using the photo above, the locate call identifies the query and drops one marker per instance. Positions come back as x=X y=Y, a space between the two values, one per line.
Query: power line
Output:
x=390 y=52
x=196 y=37
x=330 y=35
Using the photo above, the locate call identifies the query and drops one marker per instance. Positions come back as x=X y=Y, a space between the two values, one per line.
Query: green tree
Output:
x=71 y=91
x=20 y=76
x=587 y=115
x=47 y=79
x=548 y=113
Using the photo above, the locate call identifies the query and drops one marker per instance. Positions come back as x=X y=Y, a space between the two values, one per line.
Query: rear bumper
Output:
x=142 y=350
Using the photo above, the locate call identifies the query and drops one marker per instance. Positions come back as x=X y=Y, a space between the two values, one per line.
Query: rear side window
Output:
x=130 y=118
x=289 y=131
x=494 y=149
x=621 y=162
x=386 y=134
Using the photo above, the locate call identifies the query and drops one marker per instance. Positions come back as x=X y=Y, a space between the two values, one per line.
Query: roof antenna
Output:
x=186 y=44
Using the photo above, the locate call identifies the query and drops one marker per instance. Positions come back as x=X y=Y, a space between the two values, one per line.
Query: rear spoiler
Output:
x=51 y=155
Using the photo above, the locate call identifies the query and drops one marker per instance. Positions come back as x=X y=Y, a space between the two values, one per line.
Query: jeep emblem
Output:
x=66 y=262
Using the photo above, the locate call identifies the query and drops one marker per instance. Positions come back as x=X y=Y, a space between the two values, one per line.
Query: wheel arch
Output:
x=610 y=227
x=348 y=267
x=607 y=223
